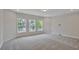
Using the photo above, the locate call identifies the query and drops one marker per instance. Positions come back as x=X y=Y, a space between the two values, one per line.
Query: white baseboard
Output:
x=9 y=39
x=66 y=35
x=71 y=36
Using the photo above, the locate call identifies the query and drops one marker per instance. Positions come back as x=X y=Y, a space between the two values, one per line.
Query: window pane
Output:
x=39 y=25
x=32 y=25
x=21 y=25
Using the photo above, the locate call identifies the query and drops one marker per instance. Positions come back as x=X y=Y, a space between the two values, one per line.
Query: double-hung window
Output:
x=21 y=25
x=35 y=25
x=39 y=25
x=32 y=25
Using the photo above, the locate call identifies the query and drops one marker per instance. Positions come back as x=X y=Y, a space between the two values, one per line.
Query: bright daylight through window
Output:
x=32 y=25
x=35 y=25
x=21 y=25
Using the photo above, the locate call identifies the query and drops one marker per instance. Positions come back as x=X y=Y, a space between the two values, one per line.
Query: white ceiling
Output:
x=48 y=13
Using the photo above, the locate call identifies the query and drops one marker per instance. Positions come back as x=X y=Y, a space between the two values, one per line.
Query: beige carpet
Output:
x=42 y=42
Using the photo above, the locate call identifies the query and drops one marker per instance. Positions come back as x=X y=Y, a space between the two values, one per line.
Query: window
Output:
x=32 y=25
x=35 y=25
x=39 y=25
x=21 y=25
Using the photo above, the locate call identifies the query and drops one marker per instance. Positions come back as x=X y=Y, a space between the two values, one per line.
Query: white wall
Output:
x=1 y=27
x=69 y=25
x=9 y=25
x=47 y=25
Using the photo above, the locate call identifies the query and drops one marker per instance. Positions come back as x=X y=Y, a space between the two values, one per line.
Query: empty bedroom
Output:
x=39 y=29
